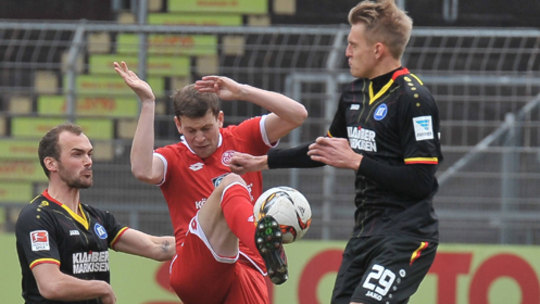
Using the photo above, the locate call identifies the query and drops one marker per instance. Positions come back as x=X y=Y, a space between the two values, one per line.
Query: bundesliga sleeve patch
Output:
x=423 y=128
x=39 y=240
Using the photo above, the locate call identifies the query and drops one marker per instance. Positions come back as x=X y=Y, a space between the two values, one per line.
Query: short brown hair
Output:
x=194 y=104
x=385 y=22
x=48 y=145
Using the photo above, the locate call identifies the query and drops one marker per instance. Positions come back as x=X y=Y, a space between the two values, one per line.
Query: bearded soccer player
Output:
x=63 y=244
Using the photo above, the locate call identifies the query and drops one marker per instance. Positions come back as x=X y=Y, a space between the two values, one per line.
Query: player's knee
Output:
x=232 y=178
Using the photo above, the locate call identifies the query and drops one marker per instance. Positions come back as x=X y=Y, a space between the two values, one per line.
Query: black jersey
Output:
x=49 y=232
x=396 y=125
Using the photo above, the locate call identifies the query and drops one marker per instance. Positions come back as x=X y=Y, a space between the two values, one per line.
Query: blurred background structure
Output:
x=480 y=59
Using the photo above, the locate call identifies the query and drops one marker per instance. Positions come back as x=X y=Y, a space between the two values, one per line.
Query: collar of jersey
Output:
x=184 y=141
x=385 y=88
x=81 y=219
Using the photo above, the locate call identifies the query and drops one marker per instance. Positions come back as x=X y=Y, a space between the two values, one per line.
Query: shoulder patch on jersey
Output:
x=423 y=127
x=39 y=240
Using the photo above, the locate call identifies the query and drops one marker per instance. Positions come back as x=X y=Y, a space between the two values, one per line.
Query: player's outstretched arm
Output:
x=242 y=163
x=286 y=115
x=295 y=157
x=160 y=248
x=335 y=152
x=144 y=165
x=55 y=285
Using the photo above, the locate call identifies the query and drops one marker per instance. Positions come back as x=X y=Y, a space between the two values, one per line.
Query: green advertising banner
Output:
x=219 y=6
x=156 y=65
x=89 y=106
x=206 y=19
x=36 y=127
x=169 y=44
x=33 y=127
x=19 y=192
x=18 y=149
x=111 y=85
x=21 y=170
x=461 y=274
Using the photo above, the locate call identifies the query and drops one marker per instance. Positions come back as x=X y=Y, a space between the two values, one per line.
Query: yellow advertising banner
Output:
x=89 y=106
x=461 y=274
x=190 y=45
x=219 y=6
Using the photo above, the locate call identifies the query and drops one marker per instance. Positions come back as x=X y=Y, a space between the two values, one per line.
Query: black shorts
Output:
x=382 y=270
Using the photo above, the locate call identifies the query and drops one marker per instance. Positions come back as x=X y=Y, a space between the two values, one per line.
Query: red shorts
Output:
x=198 y=275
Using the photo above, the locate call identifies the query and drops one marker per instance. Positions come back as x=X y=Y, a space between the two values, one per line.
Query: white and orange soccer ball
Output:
x=290 y=209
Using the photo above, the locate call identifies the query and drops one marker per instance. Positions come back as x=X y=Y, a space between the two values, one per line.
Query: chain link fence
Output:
x=484 y=80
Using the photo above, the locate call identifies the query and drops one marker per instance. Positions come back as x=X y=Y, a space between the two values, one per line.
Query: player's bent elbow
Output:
x=50 y=290
x=143 y=176
x=232 y=178
x=302 y=115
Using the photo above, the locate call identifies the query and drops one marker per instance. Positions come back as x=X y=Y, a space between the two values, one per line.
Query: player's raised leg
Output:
x=227 y=216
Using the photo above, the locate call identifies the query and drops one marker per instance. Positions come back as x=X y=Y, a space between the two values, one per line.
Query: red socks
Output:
x=238 y=211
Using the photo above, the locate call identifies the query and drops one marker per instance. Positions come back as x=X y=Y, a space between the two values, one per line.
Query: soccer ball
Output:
x=289 y=208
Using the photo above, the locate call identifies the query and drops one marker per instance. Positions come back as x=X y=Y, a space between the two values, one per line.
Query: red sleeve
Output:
x=250 y=135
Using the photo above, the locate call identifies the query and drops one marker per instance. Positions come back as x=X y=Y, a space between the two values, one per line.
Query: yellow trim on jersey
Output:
x=422 y=160
x=44 y=260
x=381 y=91
x=416 y=254
x=416 y=77
x=118 y=235
x=79 y=218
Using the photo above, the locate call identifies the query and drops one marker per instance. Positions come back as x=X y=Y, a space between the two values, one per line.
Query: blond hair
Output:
x=385 y=22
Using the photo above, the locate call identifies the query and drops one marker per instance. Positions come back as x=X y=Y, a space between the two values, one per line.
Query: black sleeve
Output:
x=291 y=158
x=112 y=226
x=416 y=181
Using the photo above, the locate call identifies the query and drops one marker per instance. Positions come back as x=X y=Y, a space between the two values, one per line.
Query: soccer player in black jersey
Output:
x=386 y=129
x=63 y=244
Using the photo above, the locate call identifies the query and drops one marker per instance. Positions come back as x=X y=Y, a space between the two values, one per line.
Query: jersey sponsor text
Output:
x=362 y=139
x=86 y=262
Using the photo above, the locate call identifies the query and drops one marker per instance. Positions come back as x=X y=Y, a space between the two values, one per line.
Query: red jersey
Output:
x=189 y=180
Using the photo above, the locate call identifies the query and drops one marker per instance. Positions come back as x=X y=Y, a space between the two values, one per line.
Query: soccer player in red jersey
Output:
x=211 y=209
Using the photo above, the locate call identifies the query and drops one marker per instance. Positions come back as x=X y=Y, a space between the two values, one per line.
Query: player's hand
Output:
x=242 y=163
x=225 y=88
x=139 y=86
x=109 y=297
x=334 y=152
